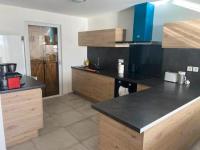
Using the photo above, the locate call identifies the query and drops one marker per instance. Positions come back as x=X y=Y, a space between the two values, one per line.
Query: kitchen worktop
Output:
x=29 y=83
x=141 y=111
x=149 y=81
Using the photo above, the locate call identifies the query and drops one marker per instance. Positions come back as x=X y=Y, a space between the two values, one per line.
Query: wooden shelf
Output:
x=184 y=34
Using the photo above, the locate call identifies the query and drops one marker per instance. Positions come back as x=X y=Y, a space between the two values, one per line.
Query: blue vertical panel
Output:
x=143 y=22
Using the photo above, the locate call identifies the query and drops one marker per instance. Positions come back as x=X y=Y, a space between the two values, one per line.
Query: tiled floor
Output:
x=69 y=124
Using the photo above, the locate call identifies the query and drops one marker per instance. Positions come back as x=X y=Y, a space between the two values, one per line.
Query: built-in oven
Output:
x=123 y=87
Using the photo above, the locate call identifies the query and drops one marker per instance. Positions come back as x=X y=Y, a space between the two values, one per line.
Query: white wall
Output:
x=163 y=14
x=13 y=22
x=2 y=136
x=123 y=19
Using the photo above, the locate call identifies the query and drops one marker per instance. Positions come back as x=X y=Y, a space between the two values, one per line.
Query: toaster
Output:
x=171 y=77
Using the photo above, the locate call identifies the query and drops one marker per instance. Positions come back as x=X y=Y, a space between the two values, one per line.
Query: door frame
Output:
x=27 y=52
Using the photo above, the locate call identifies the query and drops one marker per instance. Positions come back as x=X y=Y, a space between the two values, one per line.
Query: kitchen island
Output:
x=165 y=117
x=22 y=111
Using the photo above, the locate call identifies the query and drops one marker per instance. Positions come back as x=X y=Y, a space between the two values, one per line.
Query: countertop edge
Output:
x=117 y=119
x=154 y=123
x=168 y=115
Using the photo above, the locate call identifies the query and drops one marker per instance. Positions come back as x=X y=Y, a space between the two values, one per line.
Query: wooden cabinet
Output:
x=142 y=87
x=46 y=72
x=91 y=85
x=51 y=78
x=22 y=115
x=102 y=38
x=185 y=34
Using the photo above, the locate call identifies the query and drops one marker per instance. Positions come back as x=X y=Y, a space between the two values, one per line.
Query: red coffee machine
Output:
x=9 y=79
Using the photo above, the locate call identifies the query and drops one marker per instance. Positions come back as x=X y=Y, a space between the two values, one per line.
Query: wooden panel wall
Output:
x=185 y=34
x=101 y=38
x=91 y=85
x=22 y=115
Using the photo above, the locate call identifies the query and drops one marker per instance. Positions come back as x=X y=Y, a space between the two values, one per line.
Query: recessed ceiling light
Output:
x=78 y=1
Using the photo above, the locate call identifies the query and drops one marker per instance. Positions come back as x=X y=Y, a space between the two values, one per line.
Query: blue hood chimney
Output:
x=143 y=22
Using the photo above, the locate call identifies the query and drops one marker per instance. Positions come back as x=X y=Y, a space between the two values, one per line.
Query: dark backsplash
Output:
x=178 y=59
x=108 y=57
x=173 y=60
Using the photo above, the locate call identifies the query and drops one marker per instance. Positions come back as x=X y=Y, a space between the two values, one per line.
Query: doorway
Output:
x=44 y=57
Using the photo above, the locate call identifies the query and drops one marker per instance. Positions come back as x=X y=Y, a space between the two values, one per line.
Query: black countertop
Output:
x=29 y=83
x=142 y=110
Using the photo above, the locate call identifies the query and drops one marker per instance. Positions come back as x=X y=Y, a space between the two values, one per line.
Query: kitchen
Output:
x=69 y=120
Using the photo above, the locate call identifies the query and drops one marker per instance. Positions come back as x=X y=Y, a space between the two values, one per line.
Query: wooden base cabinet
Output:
x=22 y=115
x=177 y=132
x=93 y=86
x=142 y=87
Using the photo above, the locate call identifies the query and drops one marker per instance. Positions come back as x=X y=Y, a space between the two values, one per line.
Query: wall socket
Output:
x=195 y=69
x=189 y=68
x=192 y=69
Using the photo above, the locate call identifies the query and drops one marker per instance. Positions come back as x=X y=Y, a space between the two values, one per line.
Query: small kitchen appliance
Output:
x=9 y=79
x=182 y=77
x=171 y=77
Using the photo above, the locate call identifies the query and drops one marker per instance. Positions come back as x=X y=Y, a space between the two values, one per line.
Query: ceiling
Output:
x=86 y=9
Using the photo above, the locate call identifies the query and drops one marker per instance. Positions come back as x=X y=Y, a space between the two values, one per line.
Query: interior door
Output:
x=43 y=45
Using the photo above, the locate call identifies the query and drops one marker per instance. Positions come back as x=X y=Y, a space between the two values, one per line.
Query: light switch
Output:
x=195 y=69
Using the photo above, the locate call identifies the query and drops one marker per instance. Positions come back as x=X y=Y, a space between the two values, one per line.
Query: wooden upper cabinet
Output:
x=184 y=34
x=102 y=38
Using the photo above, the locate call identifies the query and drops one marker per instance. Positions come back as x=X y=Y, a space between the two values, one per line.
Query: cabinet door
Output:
x=81 y=83
x=37 y=70
x=91 y=85
x=103 y=87
x=51 y=78
x=183 y=34
x=101 y=38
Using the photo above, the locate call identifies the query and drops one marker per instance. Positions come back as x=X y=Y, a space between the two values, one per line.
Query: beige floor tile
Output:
x=57 y=108
x=91 y=143
x=50 y=124
x=83 y=129
x=95 y=118
x=78 y=102
x=87 y=110
x=76 y=147
x=67 y=118
x=55 y=140
x=196 y=146
x=24 y=146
